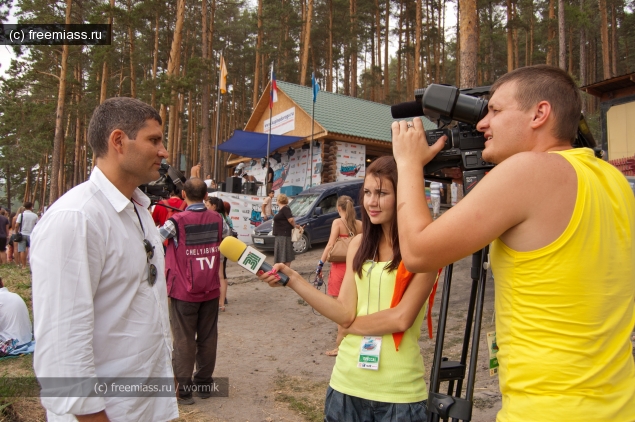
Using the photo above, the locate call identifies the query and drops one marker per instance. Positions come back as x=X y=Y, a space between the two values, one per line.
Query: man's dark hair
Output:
x=126 y=114
x=195 y=189
x=28 y=205
x=551 y=84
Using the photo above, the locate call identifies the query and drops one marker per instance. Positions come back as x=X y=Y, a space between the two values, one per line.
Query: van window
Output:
x=328 y=204
x=301 y=204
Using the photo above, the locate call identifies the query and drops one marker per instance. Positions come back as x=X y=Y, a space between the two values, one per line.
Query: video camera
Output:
x=465 y=144
x=170 y=180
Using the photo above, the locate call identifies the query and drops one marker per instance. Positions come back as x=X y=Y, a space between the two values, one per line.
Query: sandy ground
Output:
x=266 y=332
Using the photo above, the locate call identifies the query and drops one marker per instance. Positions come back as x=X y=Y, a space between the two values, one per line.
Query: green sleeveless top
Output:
x=400 y=375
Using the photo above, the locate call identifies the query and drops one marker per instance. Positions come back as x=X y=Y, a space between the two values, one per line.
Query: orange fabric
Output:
x=403 y=278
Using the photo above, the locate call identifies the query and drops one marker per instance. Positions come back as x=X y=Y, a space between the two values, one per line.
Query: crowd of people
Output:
x=119 y=292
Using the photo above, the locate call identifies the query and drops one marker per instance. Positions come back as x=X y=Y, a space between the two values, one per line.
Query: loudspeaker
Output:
x=251 y=188
x=221 y=187
x=233 y=185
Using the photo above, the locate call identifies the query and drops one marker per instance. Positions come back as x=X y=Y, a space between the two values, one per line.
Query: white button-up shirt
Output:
x=14 y=318
x=95 y=314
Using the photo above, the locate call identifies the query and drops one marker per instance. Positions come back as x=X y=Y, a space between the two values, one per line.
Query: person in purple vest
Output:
x=191 y=272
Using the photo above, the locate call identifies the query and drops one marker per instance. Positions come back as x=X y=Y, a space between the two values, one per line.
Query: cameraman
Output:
x=561 y=224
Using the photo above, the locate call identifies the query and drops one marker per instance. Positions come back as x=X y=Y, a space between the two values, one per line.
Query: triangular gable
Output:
x=302 y=125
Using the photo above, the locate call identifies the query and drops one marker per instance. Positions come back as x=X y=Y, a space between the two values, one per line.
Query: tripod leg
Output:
x=475 y=275
x=438 y=347
x=480 y=300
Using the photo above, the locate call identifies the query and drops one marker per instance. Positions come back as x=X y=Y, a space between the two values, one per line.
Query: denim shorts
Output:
x=342 y=407
x=26 y=242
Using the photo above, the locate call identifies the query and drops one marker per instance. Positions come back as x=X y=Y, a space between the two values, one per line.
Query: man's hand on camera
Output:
x=409 y=143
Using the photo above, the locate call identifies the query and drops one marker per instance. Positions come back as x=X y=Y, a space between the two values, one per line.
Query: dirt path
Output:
x=271 y=333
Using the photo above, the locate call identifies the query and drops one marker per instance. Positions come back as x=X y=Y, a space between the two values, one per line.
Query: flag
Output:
x=315 y=86
x=274 y=89
x=223 y=76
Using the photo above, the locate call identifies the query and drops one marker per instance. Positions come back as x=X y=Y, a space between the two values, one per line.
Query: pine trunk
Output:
x=604 y=34
x=614 y=45
x=205 y=161
x=59 y=116
x=386 y=41
x=307 y=41
x=353 y=11
x=551 y=34
x=155 y=62
x=469 y=42
x=329 y=63
x=258 y=54
x=562 y=50
x=133 y=77
x=510 y=41
x=418 y=18
x=173 y=72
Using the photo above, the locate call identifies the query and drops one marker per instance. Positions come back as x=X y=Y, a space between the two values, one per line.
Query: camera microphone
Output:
x=247 y=257
x=406 y=110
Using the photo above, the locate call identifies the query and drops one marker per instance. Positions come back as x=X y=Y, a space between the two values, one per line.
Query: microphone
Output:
x=406 y=110
x=247 y=257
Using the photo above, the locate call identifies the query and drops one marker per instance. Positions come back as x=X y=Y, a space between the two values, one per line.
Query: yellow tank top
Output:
x=564 y=312
x=400 y=375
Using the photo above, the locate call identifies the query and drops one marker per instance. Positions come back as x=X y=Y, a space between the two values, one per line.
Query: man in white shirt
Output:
x=99 y=291
x=14 y=317
x=26 y=221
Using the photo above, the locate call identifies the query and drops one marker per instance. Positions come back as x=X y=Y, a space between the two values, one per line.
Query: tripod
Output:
x=451 y=405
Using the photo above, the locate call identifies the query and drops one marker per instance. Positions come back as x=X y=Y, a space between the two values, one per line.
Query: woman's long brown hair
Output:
x=345 y=202
x=384 y=168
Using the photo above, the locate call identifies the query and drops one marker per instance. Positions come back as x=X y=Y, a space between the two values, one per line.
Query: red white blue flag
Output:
x=274 y=89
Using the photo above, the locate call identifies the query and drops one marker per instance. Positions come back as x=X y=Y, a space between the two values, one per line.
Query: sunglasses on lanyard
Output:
x=152 y=269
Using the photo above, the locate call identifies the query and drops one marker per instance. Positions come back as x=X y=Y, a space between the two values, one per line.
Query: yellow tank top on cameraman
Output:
x=564 y=312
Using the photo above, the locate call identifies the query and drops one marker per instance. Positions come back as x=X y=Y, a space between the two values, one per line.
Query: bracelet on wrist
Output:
x=320 y=263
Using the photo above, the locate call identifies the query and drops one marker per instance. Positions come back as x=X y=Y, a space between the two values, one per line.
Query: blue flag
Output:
x=315 y=86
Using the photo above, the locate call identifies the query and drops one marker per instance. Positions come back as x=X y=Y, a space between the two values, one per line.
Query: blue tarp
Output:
x=254 y=144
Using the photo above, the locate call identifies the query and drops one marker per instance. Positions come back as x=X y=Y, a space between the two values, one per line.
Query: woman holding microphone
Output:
x=378 y=372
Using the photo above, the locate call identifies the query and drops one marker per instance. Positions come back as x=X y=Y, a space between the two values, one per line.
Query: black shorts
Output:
x=3 y=244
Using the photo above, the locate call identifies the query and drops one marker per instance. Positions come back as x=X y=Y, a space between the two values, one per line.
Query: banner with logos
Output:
x=351 y=161
x=281 y=123
x=293 y=171
x=245 y=212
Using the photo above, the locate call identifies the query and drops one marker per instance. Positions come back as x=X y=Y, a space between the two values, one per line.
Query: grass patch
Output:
x=303 y=396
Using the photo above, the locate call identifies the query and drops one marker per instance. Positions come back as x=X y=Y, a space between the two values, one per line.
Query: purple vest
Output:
x=191 y=267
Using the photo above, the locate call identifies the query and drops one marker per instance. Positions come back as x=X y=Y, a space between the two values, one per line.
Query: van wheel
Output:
x=302 y=245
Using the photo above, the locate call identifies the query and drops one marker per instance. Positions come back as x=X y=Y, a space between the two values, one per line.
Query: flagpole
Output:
x=220 y=75
x=269 y=135
x=311 y=145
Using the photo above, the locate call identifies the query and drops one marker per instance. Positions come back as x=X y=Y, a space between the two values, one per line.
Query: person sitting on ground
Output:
x=345 y=226
x=381 y=307
x=14 y=317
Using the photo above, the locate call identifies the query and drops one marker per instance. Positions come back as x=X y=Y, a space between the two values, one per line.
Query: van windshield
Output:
x=301 y=205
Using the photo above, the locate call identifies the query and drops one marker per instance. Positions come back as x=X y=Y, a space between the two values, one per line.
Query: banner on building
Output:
x=351 y=161
x=281 y=123
x=245 y=212
x=293 y=172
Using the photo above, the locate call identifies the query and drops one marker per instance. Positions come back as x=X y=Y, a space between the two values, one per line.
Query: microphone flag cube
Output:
x=251 y=259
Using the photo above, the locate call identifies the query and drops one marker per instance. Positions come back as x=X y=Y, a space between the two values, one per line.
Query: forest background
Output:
x=167 y=54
